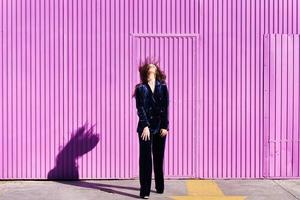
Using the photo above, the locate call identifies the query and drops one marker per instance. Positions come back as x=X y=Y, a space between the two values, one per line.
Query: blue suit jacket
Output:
x=152 y=108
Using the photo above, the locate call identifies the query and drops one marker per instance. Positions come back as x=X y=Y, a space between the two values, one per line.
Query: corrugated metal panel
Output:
x=177 y=54
x=231 y=88
x=66 y=62
x=281 y=89
x=63 y=63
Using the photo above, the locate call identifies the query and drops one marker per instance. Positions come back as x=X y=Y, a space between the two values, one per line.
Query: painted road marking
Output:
x=205 y=190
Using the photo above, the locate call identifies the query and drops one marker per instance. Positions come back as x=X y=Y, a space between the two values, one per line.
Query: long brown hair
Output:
x=144 y=68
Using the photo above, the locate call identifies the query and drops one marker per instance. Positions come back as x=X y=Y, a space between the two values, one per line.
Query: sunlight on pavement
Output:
x=205 y=190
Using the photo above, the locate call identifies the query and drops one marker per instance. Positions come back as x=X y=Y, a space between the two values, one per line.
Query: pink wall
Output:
x=63 y=63
x=281 y=105
x=178 y=55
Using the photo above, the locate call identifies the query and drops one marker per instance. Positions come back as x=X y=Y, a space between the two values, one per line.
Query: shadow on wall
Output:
x=81 y=142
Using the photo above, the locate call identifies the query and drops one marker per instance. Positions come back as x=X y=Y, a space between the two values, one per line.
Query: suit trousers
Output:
x=156 y=146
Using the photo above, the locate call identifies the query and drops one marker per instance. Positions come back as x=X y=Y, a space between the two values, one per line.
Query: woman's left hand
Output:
x=163 y=132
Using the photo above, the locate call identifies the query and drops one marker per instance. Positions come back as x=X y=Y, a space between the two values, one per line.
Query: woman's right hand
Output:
x=145 y=134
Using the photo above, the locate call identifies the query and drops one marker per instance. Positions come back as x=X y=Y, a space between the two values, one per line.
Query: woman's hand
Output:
x=163 y=132
x=145 y=134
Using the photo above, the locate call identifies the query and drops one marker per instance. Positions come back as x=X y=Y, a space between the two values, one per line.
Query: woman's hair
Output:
x=144 y=68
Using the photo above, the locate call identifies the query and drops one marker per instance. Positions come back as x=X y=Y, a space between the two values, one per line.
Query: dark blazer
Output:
x=152 y=108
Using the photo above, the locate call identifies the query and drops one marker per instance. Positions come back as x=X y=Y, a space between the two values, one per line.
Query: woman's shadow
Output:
x=104 y=187
x=82 y=141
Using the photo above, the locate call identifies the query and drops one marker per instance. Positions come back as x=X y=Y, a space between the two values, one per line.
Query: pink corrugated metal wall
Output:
x=63 y=63
x=178 y=55
x=281 y=113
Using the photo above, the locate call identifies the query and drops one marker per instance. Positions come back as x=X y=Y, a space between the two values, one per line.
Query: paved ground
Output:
x=129 y=189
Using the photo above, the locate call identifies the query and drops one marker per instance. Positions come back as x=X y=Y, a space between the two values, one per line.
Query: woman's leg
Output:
x=158 y=157
x=145 y=166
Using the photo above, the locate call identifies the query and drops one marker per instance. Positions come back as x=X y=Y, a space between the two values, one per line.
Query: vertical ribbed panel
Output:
x=231 y=82
x=281 y=98
x=65 y=62
x=177 y=56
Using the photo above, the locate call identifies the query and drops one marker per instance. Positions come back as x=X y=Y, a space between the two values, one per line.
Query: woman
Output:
x=152 y=102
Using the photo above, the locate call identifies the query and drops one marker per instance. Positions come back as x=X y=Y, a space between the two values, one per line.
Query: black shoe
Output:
x=159 y=191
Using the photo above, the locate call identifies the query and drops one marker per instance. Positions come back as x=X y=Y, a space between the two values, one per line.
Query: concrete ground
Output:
x=129 y=189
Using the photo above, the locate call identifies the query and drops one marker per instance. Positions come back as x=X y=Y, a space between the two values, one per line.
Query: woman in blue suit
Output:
x=152 y=102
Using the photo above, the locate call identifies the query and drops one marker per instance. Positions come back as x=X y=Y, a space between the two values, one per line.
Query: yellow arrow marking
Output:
x=205 y=190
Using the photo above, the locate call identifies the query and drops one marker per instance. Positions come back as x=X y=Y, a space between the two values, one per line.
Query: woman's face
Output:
x=151 y=71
